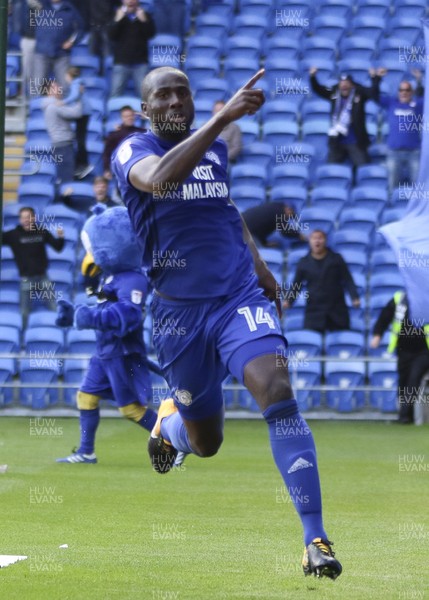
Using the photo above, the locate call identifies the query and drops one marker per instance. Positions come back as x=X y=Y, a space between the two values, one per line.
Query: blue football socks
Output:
x=89 y=420
x=294 y=453
x=148 y=420
x=174 y=431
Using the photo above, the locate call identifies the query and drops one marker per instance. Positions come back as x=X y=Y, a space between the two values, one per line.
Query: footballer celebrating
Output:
x=211 y=283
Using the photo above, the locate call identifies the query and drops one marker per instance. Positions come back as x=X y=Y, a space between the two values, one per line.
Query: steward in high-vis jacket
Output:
x=410 y=341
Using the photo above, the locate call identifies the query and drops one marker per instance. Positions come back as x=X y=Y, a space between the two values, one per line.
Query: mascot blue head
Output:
x=110 y=242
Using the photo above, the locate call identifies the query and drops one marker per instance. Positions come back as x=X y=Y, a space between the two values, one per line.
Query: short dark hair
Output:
x=100 y=179
x=147 y=81
x=320 y=231
x=29 y=208
x=126 y=107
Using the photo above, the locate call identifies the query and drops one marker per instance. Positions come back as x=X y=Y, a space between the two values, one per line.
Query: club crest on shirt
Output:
x=136 y=296
x=184 y=397
x=124 y=153
x=210 y=155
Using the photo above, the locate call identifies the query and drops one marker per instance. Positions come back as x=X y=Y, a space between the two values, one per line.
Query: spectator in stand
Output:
x=59 y=26
x=28 y=243
x=58 y=120
x=231 y=134
x=404 y=116
x=265 y=219
x=347 y=136
x=101 y=189
x=326 y=276
x=130 y=31
x=27 y=30
x=101 y=13
x=411 y=344
x=126 y=128
x=76 y=94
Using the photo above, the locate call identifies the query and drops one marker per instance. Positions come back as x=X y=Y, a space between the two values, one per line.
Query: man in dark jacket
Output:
x=410 y=341
x=28 y=243
x=126 y=128
x=101 y=13
x=130 y=31
x=348 y=137
x=59 y=26
x=326 y=275
x=265 y=219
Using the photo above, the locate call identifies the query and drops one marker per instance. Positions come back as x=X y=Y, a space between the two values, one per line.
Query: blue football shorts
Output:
x=198 y=343
x=125 y=379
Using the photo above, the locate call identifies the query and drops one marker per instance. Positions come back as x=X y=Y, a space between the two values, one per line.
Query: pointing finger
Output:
x=253 y=80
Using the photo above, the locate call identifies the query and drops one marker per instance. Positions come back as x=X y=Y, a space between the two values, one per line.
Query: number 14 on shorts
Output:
x=260 y=317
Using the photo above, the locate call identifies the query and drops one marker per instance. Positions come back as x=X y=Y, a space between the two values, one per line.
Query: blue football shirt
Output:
x=191 y=236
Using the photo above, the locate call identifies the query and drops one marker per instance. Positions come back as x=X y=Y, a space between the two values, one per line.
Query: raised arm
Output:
x=178 y=163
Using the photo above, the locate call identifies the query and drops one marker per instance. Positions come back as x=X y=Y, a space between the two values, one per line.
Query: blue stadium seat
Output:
x=336 y=8
x=302 y=345
x=329 y=26
x=346 y=376
x=80 y=341
x=88 y=64
x=356 y=260
x=410 y=9
x=317 y=219
x=307 y=375
x=273 y=110
x=373 y=8
x=376 y=303
x=280 y=133
x=330 y=198
x=114 y=105
x=351 y=239
x=7 y=371
x=369 y=27
x=360 y=218
x=301 y=153
x=315 y=132
x=370 y=197
x=294 y=257
x=95 y=152
x=36 y=195
x=39 y=372
x=7 y=258
x=318 y=47
x=388 y=48
x=95 y=130
x=289 y=174
x=332 y=175
x=274 y=260
x=242 y=46
x=326 y=71
x=212 y=89
x=62 y=282
x=293 y=322
x=11 y=319
x=384 y=375
x=9 y=300
x=10 y=278
x=344 y=344
x=381 y=351
x=200 y=67
x=73 y=370
x=281 y=47
x=385 y=283
x=249 y=131
x=357 y=68
x=242 y=174
x=315 y=108
x=36 y=129
x=378 y=153
x=82 y=196
x=293 y=196
x=246 y=196
x=43 y=341
x=96 y=88
x=258 y=153
x=396 y=72
x=391 y=214
x=283 y=76
x=61 y=215
x=44 y=173
x=404 y=28
x=257 y=8
x=212 y=25
x=239 y=70
x=250 y=25
x=9 y=339
x=42 y=318
x=358 y=48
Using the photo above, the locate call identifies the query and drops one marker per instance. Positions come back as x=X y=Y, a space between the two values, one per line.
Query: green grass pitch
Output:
x=221 y=528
